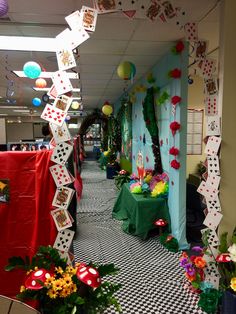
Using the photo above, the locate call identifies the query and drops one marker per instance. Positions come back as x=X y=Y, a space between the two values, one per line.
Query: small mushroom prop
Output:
x=223 y=258
x=160 y=223
x=36 y=278
x=88 y=275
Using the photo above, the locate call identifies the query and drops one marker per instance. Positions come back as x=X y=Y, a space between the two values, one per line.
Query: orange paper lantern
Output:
x=40 y=83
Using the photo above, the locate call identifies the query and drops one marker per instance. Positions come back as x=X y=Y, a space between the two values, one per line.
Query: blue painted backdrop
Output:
x=142 y=140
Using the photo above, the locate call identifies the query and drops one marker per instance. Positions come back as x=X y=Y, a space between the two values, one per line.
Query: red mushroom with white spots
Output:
x=89 y=275
x=35 y=279
x=160 y=223
x=223 y=258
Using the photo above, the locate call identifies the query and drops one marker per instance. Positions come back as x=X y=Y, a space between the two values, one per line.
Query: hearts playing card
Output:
x=65 y=59
x=61 y=218
x=213 y=125
x=63 y=240
x=207 y=191
x=52 y=92
x=62 y=197
x=61 y=175
x=60 y=133
x=191 y=31
x=62 y=82
x=211 y=105
x=89 y=18
x=208 y=67
x=53 y=115
x=61 y=153
x=212 y=220
x=213 y=166
x=214 y=205
x=213 y=145
x=63 y=102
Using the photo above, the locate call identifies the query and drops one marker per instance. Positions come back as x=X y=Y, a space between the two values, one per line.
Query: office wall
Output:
x=19 y=131
x=2 y=131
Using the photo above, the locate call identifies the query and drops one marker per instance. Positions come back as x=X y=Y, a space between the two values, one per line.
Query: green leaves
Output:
x=16 y=262
x=223 y=247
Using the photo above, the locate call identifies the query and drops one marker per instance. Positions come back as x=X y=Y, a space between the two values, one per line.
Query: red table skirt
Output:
x=25 y=221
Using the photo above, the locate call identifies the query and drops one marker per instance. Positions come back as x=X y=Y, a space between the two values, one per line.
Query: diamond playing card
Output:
x=208 y=67
x=213 y=181
x=211 y=105
x=72 y=38
x=63 y=102
x=207 y=191
x=191 y=31
x=61 y=218
x=212 y=220
x=61 y=153
x=62 y=82
x=65 y=59
x=213 y=125
x=200 y=49
x=61 y=175
x=213 y=166
x=60 y=133
x=53 y=115
x=63 y=240
x=211 y=86
x=52 y=92
x=214 y=205
x=62 y=197
x=213 y=145
x=89 y=18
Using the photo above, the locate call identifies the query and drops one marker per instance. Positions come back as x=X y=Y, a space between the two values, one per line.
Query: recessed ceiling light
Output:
x=47 y=74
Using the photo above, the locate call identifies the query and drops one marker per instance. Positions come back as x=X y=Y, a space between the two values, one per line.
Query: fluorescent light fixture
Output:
x=20 y=110
x=47 y=74
x=28 y=43
x=3 y=114
x=13 y=107
x=46 y=89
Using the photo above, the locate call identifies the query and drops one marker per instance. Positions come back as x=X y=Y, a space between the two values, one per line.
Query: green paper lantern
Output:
x=126 y=70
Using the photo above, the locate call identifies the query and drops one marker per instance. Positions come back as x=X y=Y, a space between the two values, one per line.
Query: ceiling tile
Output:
x=104 y=46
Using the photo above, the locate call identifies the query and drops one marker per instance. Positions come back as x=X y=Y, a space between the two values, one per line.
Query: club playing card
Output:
x=200 y=49
x=213 y=145
x=214 y=280
x=63 y=102
x=210 y=254
x=211 y=270
x=61 y=218
x=52 y=92
x=72 y=38
x=60 y=175
x=63 y=240
x=213 y=125
x=214 y=205
x=207 y=191
x=89 y=18
x=213 y=166
x=105 y=6
x=62 y=82
x=212 y=220
x=53 y=115
x=208 y=67
x=62 y=197
x=61 y=153
x=211 y=105
x=212 y=237
x=65 y=59
x=211 y=86
x=213 y=181
x=74 y=20
x=191 y=31
x=60 y=133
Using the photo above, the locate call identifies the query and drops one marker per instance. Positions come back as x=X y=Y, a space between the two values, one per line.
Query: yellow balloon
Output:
x=107 y=110
x=75 y=105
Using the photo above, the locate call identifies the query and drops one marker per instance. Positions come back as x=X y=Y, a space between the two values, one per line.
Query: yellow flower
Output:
x=233 y=283
x=67 y=281
x=22 y=289
x=71 y=270
x=49 y=281
x=59 y=270
x=148 y=178
x=52 y=293
x=65 y=292
x=74 y=288
x=57 y=284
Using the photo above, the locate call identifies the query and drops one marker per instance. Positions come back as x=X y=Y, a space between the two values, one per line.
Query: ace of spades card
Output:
x=213 y=145
x=212 y=220
x=213 y=125
x=65 y=59
x=89 y=18
x=61 y=175
x=62 y=197
x=61 y=218
x=214 y=205
x=53 y=115
x=211 y=86
x=63 y=102
x=62 y=82
x=213 y=166
x=61 y=153
x=60 y=133
x=211 y=105
x=63 y=240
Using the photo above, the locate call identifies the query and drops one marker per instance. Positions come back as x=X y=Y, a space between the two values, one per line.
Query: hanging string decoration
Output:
x=3 y=7
x=107 y=108
x=32 y=69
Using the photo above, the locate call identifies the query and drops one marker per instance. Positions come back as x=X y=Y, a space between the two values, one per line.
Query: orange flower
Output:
x=184 y=254
x=199 y=262
x=190 y=278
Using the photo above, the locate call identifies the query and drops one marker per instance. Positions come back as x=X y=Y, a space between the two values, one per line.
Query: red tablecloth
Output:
x=25 y=222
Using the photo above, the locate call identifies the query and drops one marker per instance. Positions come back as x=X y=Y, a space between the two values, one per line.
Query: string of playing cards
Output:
x=209 y=186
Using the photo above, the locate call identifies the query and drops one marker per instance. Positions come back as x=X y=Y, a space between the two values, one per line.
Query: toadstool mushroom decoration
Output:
x=223 y=258
x=88 y=275
x=160 y=223
x=36 y=279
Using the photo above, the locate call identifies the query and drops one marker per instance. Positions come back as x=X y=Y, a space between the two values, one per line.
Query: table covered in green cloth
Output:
x=139 y=213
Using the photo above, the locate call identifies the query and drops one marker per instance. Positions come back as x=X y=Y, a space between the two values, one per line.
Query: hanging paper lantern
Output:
x=32 y=69
x=107 y=108
x=67 y=118
x=40 y=83
x=36 y=102
x=45 y=98
x=3 y=7
x=75 y=105
x=126 y=70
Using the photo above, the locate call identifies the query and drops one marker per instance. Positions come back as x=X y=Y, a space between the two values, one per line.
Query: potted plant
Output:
x=121 y=178
x=61 y=288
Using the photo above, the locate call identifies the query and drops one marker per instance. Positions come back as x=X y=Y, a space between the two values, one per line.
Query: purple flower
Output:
x=183 y=262
x=197 y=249
x=189 y=269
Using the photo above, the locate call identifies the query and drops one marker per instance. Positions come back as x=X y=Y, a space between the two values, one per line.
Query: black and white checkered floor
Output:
x=152 y=281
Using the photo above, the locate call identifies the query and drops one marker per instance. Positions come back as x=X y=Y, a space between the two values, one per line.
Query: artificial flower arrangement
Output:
x=121 y=178
x=60 y=288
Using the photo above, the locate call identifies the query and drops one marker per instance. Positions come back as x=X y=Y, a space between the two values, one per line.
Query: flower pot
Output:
x=228 y=303
x=111 y=171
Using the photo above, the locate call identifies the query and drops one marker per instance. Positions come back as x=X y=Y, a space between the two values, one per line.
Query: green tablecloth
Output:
x=139 y=213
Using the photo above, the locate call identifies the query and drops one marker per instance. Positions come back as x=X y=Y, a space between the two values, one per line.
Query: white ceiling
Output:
x=116 y=39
